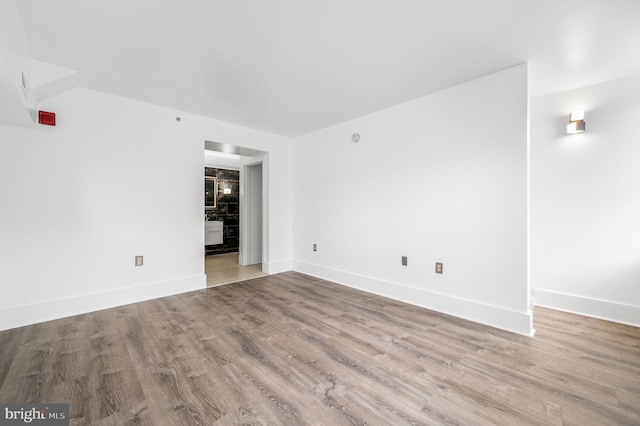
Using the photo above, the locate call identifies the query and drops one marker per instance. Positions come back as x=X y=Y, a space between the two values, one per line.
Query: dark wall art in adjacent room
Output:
x=227 y=209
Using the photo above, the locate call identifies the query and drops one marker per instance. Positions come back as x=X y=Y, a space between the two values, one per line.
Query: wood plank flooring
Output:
x=295 y=350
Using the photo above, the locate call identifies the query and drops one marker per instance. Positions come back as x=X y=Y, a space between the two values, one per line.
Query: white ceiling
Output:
x=292 y=66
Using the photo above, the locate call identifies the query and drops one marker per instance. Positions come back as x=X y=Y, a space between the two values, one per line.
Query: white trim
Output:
x=530 y=295
x=505 y=319
x=18 y=316
x=265 y=212
x=596 y=308
x=276 y=267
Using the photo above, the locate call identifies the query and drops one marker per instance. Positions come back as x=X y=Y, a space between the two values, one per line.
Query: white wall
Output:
x=441 y=178
x=114 y=179
x=585 y=202
x=16 y=105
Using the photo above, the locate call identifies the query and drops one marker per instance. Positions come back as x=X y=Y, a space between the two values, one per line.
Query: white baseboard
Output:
x=505 y=319
x=597 y=308
x=18 y=316
x=276 y=267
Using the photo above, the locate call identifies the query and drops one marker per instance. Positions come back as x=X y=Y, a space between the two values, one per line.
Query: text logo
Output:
x=34 y=414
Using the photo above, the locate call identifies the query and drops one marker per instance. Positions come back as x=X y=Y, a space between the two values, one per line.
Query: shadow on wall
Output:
x=227 y=209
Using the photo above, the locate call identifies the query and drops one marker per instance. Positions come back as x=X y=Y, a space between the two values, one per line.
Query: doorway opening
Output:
x=235 y=222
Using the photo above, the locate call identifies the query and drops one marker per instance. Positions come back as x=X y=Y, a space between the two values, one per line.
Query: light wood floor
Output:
x=296 y=350
x=224 y=269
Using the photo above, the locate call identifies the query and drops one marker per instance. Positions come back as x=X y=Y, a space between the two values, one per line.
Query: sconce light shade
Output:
x=576 y=122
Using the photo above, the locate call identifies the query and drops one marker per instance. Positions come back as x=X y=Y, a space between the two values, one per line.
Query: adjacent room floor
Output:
x=224 y=269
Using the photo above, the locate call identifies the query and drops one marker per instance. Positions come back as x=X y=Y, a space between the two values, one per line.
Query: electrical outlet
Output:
x=438 y=268
x=139 y=260
x=315 y=247
x=404 y=260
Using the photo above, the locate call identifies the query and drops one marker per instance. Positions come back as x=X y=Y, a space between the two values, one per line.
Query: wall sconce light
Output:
x=227 y=191
x=576 y=122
